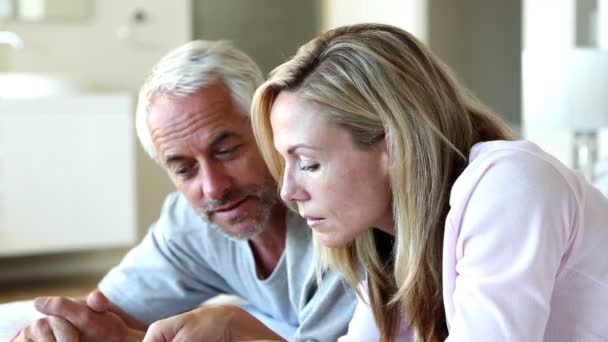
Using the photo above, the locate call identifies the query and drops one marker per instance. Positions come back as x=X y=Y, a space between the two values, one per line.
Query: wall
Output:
x=59 y=8
x=557 y=29
x=92 y=50
x=564 y=27
x=481 y=41
x=268 y=30
x=410 y=15
x=109 y=52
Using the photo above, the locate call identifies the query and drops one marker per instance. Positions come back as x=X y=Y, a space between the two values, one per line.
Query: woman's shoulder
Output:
x=515 y=181
x=508 y=165
x=516 y=151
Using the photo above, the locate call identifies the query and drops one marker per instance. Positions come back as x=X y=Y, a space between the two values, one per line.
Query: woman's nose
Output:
x=290 y=190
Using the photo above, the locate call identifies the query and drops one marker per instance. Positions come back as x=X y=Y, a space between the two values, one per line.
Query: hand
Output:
x=48 y=329
x=72 y=321
x=221 y=323
x=203 y=324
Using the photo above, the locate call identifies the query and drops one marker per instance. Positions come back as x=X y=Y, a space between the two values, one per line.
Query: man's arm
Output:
x=170 y=271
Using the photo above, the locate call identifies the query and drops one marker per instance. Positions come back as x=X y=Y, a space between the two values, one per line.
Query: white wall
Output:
x=269 y=30
x=548 y=23
x=95 y=50
x=108 y=51
x=549 y=31
x=479 y=39
x=91 y=48
x=410 y=15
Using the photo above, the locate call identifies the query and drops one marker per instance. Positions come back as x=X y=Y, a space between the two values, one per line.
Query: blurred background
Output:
x=76 y=189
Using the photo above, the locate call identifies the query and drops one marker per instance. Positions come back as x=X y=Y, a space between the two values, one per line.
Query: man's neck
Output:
x=269 y=245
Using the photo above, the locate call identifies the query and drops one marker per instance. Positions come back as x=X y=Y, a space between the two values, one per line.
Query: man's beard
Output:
x=266 y=198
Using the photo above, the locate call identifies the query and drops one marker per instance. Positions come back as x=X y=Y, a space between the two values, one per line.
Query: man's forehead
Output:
x=206 y=126
x=196 y=109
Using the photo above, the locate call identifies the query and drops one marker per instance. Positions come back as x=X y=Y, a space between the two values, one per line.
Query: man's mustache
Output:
x=230 y=198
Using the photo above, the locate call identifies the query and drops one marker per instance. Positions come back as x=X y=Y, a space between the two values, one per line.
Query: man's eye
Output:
x=182 y=171
x=224 y=153
x=309 y=167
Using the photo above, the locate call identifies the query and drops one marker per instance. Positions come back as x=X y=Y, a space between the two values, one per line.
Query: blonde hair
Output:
x=380 y=81
x=189 y=68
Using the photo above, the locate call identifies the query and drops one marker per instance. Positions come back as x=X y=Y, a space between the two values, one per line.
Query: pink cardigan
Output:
x=525 y=255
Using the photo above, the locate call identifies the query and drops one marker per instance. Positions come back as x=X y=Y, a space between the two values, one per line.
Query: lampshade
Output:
x=565 y=88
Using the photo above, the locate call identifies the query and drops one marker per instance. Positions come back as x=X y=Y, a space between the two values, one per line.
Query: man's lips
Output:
x=230 y=206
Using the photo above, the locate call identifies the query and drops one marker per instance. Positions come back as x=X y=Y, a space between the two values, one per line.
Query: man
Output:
x=192 y=119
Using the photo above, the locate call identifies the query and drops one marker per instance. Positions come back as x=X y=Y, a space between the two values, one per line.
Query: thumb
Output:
x=155 y=335
x=98 y=302
x=162 y=331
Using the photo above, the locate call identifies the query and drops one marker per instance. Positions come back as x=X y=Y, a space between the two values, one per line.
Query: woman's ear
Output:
x=385 y=161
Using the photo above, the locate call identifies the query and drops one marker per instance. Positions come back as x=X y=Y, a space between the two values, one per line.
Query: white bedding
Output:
x=14 y=316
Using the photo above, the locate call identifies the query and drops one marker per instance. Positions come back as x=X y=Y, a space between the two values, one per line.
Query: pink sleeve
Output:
x=513 y=222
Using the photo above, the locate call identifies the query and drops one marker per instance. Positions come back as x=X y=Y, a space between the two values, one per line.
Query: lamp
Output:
x=568 y=89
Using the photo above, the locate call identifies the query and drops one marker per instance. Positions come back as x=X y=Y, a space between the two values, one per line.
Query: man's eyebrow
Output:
x=173 y=158
x=292 y=149
x=221 y=136
x=217 y=139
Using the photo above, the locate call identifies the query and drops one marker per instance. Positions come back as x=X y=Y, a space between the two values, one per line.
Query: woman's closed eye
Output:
x=308 y=167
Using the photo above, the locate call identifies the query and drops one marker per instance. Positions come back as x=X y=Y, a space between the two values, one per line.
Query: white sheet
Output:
x=16 y=315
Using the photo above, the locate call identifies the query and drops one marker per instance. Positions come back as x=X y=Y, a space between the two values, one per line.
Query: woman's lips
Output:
x=313 y=221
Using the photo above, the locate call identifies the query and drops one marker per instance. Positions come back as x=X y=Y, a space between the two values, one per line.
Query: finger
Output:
x=40 y=330
x=79 y=315
x=98 y=302
x=62 y=329
x=24 y=335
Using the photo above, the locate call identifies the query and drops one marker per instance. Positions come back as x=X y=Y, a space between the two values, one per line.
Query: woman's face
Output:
x=339 y=188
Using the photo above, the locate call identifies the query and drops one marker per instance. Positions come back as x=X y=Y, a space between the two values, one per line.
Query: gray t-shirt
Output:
x=182 y=262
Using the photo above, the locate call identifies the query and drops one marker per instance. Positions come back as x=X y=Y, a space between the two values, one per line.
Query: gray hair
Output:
x=189 y=68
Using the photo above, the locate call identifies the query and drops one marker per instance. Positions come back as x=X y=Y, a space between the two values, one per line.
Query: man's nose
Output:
x=216 y=182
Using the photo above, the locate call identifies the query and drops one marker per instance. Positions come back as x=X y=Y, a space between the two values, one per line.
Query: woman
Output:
x=460 y=231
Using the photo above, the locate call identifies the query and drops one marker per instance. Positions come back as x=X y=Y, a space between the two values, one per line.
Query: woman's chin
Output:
x=330 y=240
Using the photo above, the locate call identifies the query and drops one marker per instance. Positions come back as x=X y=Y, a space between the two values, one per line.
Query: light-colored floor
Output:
x=75 y=287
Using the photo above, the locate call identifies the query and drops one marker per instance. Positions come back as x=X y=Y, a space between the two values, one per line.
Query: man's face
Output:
x=208 y=149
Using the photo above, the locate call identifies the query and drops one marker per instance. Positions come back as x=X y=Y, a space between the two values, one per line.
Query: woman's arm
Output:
x=512 y=232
